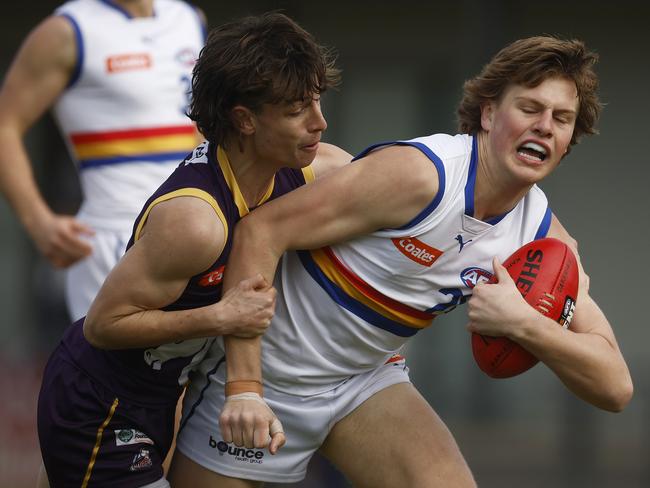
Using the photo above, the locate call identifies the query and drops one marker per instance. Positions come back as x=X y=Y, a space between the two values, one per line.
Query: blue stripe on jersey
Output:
x=441 y=183
x=76 y=73
x=441 y=176
x=471 y=179
x=148 y=158
x=350 y=304
x=544 y=225
x=371 y=148
x=471 y=184
x=198 y=401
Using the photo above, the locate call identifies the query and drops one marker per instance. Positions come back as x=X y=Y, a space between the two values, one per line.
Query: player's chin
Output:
x=304 y=158
x=534 y=171
x=532 y=174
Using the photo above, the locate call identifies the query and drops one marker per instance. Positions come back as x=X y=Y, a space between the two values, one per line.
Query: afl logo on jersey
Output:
x=213 y=278
x=473 y=276
x=187 y=57
x=417 y=251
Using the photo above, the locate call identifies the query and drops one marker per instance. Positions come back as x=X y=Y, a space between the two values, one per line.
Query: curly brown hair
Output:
x=529 y=62
x=253 y=61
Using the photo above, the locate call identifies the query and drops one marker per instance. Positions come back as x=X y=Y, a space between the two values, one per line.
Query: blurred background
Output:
x=403 y=68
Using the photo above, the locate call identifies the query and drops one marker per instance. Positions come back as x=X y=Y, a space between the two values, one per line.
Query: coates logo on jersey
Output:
x=128 y=62
x=186 y=57
x=473 y=276
x=417 y=251
x=213 y=278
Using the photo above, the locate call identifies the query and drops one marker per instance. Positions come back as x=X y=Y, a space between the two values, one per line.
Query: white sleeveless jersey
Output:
x=348 y=308
x=123 y=113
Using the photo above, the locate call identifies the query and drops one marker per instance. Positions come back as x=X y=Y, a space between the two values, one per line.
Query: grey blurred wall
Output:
x=403 y=67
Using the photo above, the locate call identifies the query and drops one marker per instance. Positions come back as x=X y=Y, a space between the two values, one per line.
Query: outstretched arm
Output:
x=385 y=189
x=585 y=357
x=37 y=76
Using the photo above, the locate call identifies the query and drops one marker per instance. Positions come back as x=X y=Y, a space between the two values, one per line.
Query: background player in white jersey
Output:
x=117 y=76
x=344 y=310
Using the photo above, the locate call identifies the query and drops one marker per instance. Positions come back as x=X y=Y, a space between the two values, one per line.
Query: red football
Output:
x=546 y=273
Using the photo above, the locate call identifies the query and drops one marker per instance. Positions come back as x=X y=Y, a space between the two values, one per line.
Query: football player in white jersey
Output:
x=116 y=76
x=344 y=310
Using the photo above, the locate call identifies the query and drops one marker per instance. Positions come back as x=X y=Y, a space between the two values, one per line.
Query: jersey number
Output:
x=456 y=298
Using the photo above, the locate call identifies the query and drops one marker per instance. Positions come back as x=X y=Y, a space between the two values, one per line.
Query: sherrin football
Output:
x=546 y=273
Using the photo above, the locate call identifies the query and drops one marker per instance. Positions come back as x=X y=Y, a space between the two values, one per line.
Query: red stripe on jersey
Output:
x=370 y=292
x=85 y=137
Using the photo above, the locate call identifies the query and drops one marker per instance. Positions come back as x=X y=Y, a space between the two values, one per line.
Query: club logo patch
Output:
x=473 y=276
x=417 y=251
x=125 y=437
x=567 y=312
x=186 y=57
x=142 y=460
x=213 y=278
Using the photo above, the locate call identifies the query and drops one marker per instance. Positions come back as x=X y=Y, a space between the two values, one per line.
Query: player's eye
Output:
x=564 y=119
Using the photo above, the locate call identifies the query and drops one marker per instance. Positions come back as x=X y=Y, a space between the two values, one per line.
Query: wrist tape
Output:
x=243 y=386
x=276 y=425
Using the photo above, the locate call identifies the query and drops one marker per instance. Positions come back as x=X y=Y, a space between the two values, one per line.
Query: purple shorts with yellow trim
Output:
x=91 y=438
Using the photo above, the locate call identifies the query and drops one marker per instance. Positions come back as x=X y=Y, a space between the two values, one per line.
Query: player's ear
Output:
x=242 y=119
x=487 y=114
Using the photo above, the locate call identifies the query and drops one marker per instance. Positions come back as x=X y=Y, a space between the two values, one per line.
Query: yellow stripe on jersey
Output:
x=333 y=274
x=308 y=174
x=134 y=147
x=183 y=192
x=229 y=176
x=98 y=441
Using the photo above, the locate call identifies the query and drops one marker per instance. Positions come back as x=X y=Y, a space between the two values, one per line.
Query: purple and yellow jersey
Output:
x=123 y=113
x=346 y=309
x=157 y=374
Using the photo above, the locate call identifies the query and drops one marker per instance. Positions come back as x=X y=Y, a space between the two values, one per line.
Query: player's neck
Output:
x=494 y=194
x=137 y=8
x=253 y=178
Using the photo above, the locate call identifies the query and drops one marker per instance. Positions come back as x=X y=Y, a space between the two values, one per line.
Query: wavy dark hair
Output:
x=253 y=61
x=529 y=62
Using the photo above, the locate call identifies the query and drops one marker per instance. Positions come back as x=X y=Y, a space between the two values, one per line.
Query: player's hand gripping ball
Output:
x=546 y=273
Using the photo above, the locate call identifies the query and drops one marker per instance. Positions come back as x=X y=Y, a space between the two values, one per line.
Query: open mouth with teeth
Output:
x=532 y=151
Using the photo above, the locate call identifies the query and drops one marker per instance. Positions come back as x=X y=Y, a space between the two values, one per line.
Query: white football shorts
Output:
x=84 y=278
x=307 y=420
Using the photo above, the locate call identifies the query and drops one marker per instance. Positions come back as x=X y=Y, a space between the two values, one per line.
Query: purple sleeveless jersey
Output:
x=108 y=415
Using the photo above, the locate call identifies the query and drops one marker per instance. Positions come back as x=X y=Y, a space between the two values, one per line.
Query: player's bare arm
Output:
x=329 y=158
x=38 y=75
x=586 y=357
x=154 y=272
x=385 y=189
